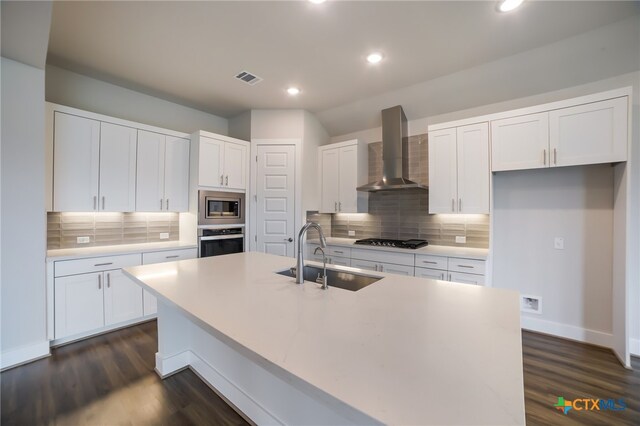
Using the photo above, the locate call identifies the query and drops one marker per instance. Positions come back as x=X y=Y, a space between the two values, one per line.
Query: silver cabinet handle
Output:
x=340 y=206
x=167 y=204
x=376 y=267
x=108 y=280
x=172 y=257
x=453 y=205
x=226 y=180
x=221 y=180
x=104 y=264
x=449 y=276
x=335 y=206
x=95 y=202
x=329 y=260
x=459 y=205
x=544 y=157
x=465 y=266
x=429 y=261
x=442 y=276
x=338 y=251
x=103 y=202
x=160 y=203
x=381 y=268
x=100 y=282
x=555 y=156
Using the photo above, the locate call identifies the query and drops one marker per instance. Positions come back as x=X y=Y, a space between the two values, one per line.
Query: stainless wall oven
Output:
x=220 y=208
x=219 y=241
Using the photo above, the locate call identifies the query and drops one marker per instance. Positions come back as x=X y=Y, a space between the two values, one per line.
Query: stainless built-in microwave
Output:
x=220 y=208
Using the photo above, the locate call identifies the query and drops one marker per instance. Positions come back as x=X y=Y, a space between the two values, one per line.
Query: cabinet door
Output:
x=348 y=180
x=473 y=168
x=78 y=304
x=391 y=268
x=330 y=180
x=210 y=161
x=430 y=273
x=364 y=264
x=235 y=166
x=150 y=172
x=460 y=277
x=520 y=143
x=122 y=298
x=149 y=303
x=589 y=134
x=76 y=163
x=337 y=260
x=117 y=168
x=176 y=175
x=443 y=191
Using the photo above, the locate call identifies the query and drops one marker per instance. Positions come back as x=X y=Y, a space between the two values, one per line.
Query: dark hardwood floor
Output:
x=109 y=380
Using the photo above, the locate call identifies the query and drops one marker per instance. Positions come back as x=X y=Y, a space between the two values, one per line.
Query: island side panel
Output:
x=174 y=340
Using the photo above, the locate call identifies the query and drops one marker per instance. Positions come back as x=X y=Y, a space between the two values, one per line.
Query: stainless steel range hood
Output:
x=395 y=153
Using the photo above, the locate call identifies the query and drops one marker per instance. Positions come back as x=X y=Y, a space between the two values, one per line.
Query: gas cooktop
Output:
x=406 y=244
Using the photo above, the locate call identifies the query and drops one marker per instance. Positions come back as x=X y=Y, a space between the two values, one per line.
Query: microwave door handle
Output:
x=222 y=237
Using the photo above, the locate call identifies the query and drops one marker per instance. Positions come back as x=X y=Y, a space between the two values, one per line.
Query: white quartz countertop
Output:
x=464 y=252
x=403 y=350
x=82 y=252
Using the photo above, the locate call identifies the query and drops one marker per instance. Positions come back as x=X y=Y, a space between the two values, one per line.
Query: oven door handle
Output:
x=222 y=237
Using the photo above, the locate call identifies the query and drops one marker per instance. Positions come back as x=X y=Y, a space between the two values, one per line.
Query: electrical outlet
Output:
x=83 y=240
x=352 y=233
x=558 y=243
x=461 y=240
x=164 y=235
x=532 y=304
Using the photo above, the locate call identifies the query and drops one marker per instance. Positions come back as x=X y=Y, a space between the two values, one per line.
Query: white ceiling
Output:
x=189 y=52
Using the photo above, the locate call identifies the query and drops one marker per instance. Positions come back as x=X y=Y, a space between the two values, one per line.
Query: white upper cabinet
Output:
x=520 y=142
x=343 y=167
x=589 y=134
x=76 y=156
x=163 y=173
x=117 y=168
x=459 y=170
x=221 y=163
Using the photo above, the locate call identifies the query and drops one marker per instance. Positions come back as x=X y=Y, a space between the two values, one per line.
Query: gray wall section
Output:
x=79 y=91
x=23 y=218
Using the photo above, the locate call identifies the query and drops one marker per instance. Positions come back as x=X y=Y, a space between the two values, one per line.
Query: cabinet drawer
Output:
x=469 y=266
x=95 y=264
x=364 y=264
x=390 y=268
x=431 y=262
x=337 y=260
x=460 y=277
x=338 y=251
x=169 y=256
x=435 y=274
x=383 y=256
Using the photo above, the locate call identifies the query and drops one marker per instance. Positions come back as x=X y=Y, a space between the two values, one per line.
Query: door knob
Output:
x=289 y=239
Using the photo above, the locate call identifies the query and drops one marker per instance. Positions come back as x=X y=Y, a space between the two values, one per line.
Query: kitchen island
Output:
x=403 y=350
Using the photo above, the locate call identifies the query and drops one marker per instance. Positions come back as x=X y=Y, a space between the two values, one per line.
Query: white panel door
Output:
x=461 y=277
x=330 y=180
x=210 y=162
x=473 y=168
x=235 y=166
x=150 y=172
x=78 y=304
x=348 y=180
x=76 y=162
x=430 y=273
x=589 y=134
x=176 y=175
x=520 y=143
x=275 y=232
x=117 y=168
x=122 y=298
x=442 y=171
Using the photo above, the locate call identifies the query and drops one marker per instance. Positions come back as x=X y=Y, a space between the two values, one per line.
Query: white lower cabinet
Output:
x=340 y=261
x=461 y=277
x=389 y=268
x=122 y=298
x=78 y=304
x=430 y=273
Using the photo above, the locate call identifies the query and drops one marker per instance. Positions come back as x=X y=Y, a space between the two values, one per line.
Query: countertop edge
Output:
x=117 y=250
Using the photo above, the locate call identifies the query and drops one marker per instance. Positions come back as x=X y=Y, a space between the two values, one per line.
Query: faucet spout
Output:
x=300 y=258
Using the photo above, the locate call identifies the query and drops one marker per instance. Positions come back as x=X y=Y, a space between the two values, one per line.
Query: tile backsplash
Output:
x=105 y=229
x=402 y=214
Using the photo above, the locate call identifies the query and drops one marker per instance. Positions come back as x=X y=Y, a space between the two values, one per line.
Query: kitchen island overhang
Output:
x=401 y=351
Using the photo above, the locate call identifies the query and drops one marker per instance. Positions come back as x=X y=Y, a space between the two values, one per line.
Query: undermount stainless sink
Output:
x=341 y=279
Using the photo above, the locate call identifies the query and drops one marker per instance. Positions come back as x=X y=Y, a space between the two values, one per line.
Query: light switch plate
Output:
x=164 y=235
x=558 y=243
x=83 y=240
x=352 y=233
x=461 y=240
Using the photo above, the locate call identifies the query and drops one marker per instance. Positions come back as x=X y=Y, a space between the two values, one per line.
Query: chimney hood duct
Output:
x=395 y=153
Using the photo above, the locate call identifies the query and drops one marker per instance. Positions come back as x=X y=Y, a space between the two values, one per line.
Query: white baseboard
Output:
x=168 y=365
x=634 y=347
x=567 y=331
x=24 y=354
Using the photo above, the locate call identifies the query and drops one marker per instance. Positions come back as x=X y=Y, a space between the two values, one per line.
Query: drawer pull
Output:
x=338 y=251
x=103 y=264
x=172 y=257
x=465 y=266
x=430 y=261
x=100 y=282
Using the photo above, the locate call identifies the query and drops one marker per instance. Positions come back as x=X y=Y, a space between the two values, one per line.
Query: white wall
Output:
x=533 y=207
x=240 y=126
x=79 y=91
x=314 y=136
x=23 y=227
x=277 y=124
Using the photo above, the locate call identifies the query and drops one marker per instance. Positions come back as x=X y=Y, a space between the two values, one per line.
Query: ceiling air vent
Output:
x=248 y=78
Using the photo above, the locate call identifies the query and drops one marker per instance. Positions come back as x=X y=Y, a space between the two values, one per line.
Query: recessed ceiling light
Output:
x=317 y=1
x=509 y=5
x=374 y=58
x=293 y=91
